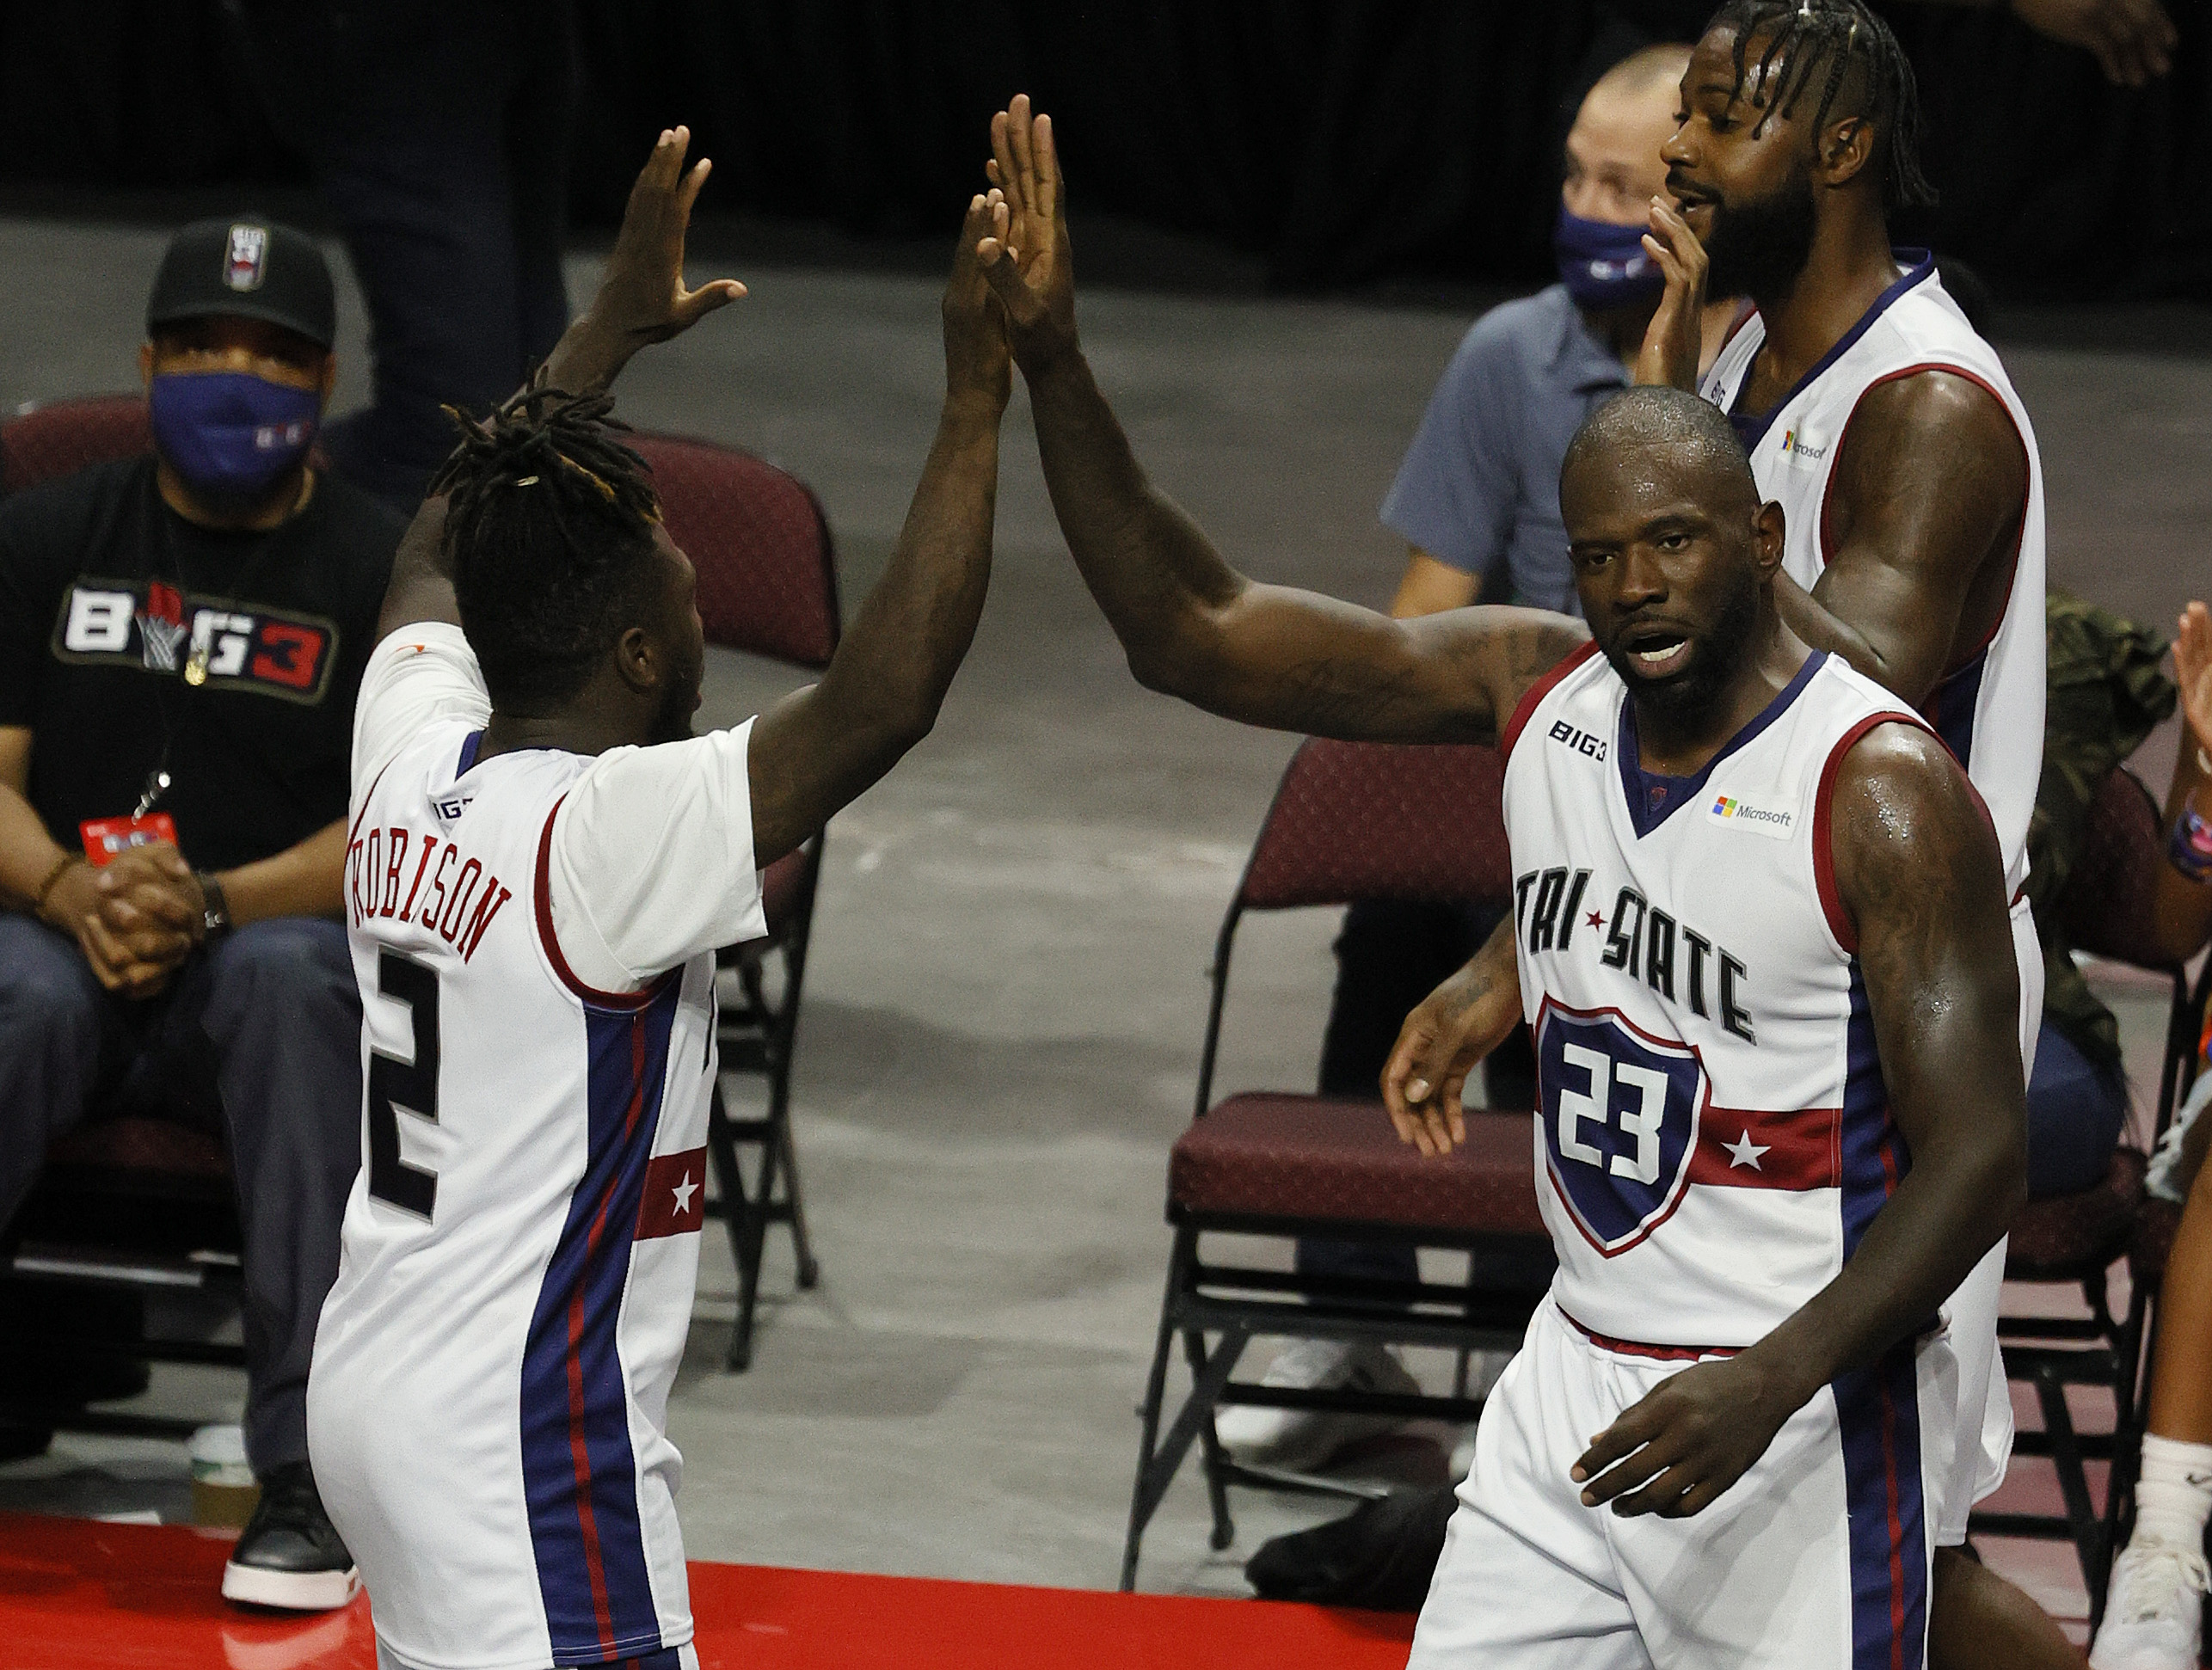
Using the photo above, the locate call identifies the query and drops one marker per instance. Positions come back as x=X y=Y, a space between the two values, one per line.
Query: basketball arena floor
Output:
x=1006 y=994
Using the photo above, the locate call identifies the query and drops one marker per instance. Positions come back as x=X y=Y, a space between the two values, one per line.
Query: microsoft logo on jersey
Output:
x=1792 y=446
x=1760 y=820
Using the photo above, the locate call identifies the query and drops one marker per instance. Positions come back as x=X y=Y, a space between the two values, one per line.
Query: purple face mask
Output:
x=1605 y=265
x=231 y=434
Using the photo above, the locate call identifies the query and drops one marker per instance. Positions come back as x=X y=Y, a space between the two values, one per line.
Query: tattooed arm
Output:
x=1193 y=626
x=1920 y=879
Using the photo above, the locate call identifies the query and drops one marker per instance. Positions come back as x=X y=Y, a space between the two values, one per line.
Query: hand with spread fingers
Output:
x=1678 y=1447
x=642 y=297
x=1028 y=264
x=1676 y=333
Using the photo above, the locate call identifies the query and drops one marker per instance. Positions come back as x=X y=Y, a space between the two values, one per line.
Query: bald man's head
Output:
x=1672 y=550
x=1645 y=432
x=1613 y=168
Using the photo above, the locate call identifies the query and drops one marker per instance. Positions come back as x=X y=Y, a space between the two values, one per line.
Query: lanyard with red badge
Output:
x=105 y=838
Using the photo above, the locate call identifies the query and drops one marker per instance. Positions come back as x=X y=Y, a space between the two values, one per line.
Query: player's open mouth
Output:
x=1657 y=657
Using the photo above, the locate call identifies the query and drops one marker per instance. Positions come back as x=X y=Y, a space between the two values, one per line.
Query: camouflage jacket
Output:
x=2106 y=695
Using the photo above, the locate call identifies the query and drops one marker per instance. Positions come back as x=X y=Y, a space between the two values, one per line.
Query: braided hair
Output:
x=549 y=533
x=1829 y=40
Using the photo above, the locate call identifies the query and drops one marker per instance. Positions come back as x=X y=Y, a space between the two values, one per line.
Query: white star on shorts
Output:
x=1744 y=1152
x=683 y=1191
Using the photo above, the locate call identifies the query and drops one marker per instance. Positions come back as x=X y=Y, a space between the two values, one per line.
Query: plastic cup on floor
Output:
x=223 y=1492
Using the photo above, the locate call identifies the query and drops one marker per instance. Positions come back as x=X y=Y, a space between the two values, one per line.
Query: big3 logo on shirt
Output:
x=151 y=625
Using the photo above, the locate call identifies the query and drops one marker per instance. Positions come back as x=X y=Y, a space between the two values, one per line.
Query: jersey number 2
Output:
x=394 y=1085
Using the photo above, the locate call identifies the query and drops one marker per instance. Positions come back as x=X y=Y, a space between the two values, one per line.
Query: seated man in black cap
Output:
x=181 y=639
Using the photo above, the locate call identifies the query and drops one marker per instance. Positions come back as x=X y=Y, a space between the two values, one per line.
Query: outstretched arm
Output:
x=642 y=300
x=819 y=748
x=1918 y=872
x=1193 y=626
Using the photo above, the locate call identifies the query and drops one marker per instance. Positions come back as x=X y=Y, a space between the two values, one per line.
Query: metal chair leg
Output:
x=1141 y=1508
x=810 y=1269
x=738 y=1221
x=1217 y=1487
x=2072 y=1477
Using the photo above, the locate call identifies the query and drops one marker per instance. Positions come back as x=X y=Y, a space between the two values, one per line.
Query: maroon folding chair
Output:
x=1350 y=822
x=2107 y=907
x=767 y=586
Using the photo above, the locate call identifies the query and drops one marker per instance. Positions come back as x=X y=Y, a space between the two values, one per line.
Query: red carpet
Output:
x=76 y=1594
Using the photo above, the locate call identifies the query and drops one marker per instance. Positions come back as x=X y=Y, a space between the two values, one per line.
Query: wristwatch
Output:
x=215 y=907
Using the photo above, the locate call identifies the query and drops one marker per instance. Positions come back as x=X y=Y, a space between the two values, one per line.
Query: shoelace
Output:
x=2157 y=1578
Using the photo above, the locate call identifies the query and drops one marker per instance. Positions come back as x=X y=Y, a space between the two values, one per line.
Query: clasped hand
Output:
x=136 y=918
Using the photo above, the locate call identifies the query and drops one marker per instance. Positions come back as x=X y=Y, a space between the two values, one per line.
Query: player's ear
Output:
x=637 y=659
x=1769 y=527
x=1845 y=149
x=146 y=364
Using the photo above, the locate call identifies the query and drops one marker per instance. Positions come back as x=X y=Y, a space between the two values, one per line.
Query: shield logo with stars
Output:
x=1621 y=1109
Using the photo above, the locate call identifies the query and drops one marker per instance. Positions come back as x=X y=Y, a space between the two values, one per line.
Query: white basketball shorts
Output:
x=1817 y=1559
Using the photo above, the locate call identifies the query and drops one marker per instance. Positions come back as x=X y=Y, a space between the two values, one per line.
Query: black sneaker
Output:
x=290 y=1554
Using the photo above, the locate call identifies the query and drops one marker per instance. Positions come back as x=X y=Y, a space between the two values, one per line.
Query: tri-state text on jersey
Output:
x=1555 y=908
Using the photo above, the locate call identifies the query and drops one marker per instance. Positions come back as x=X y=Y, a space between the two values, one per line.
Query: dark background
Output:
x=1334 y=143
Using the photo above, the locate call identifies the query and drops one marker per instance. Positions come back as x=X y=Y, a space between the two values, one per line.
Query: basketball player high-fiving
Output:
x=543 y=860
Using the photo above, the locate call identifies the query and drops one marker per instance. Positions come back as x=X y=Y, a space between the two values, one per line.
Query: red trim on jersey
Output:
x=1669 y=1354
x=375 y=782
x=1799 y=1148
x=2012 y=563
x=1525 y=708
x=542 y=896
x=1839 y=919
x=673 y=1201
x=1744 y=315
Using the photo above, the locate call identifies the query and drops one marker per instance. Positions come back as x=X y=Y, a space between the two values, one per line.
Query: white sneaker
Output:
x=1302 y=1439
x=2153 y=1613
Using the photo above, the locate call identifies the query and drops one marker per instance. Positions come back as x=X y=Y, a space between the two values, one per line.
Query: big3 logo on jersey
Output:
x=151 y=625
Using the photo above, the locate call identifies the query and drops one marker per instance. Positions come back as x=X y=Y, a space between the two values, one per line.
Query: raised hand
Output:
x=2192 y=669
x=1027 y=261
x=642 y=297
x=976 y=359
x=1454 y=1027
x=1671 y=343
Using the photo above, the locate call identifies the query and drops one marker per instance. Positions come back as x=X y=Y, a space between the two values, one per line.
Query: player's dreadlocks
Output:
x=548 y=531
x=1829 y=40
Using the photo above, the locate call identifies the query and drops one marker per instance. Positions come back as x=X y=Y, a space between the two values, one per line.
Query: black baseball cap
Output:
x=245 y=266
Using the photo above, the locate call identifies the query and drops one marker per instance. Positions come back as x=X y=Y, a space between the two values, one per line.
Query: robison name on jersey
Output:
x=533 y=936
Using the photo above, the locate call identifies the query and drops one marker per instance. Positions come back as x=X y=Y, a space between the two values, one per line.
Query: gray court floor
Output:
x=1004 y=1010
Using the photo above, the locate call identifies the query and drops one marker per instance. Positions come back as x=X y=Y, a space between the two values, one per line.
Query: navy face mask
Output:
x=231 y=434
x=1605 y=265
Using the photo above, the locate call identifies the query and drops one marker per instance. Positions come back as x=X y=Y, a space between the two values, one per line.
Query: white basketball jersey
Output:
x=491 y=1375
x=1714 y=1136
x=1989 y=708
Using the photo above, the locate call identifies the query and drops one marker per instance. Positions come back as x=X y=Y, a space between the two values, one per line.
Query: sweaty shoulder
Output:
x=1903 y=829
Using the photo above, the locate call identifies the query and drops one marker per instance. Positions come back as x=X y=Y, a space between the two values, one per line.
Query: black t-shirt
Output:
x=133 y=641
